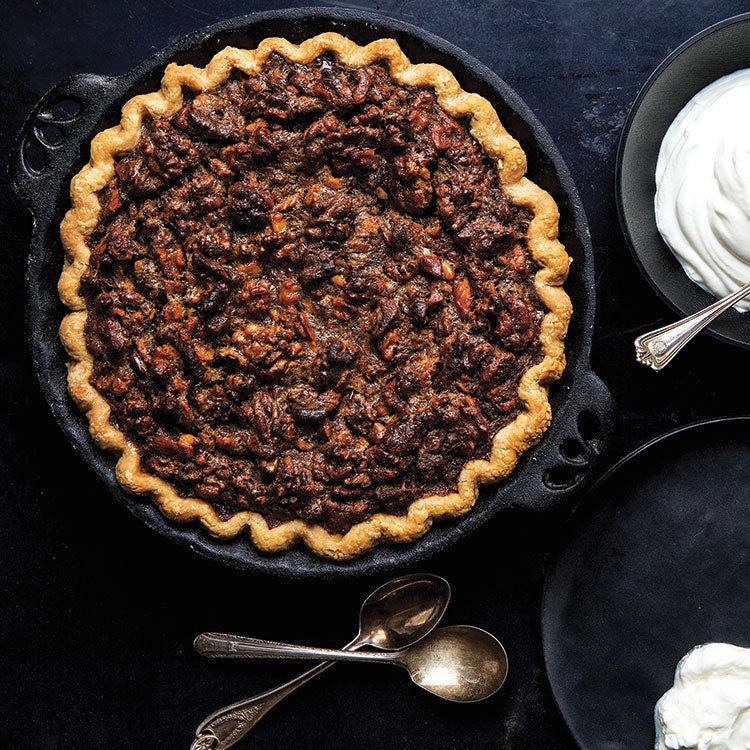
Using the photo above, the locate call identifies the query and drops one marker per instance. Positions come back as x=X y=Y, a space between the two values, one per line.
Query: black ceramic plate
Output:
x=657 y=561
x=81 y=106
x=715 y=52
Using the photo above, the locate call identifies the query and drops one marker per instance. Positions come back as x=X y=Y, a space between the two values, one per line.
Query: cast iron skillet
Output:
x=53 y=146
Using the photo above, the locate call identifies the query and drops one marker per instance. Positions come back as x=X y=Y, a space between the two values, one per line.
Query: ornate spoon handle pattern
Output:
x=658 y=348
x=229 y=725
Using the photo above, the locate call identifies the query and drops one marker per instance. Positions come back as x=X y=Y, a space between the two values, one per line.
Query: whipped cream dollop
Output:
x=703 y=186
x=708 y=708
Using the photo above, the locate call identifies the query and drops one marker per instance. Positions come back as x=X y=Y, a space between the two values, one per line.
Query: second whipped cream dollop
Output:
x=703 y=186
x=708 y=708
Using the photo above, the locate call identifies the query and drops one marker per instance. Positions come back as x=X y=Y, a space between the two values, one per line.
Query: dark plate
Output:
x=657 y=561
x=81 y=106
x=715 y=52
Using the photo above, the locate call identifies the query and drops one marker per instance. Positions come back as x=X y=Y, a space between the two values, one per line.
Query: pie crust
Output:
x=548 y=253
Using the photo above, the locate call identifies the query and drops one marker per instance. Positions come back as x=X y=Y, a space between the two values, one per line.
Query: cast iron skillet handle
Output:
x=50 y=139
x=567 y=462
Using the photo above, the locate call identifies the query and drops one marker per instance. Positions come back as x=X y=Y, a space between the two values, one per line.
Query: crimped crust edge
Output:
x=507 y=445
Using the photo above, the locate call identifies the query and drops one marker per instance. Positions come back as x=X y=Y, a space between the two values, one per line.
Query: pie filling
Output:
x=308 y=296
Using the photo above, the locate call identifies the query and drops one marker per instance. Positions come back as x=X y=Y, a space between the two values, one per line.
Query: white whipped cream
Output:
x=703 y=186
x=708 y=708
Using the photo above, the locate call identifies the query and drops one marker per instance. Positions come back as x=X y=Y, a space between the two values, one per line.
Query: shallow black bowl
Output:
x=53 y=146
x=715 y=52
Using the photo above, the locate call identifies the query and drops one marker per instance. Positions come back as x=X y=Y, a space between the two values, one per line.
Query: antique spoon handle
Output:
x=227 y=726
x=221 y=645
x=657 y=348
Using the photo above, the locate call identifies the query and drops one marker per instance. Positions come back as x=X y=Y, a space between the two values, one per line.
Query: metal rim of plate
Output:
x=716 y=51
x=547 y=474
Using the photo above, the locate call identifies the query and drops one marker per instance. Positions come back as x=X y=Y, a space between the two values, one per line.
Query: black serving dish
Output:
x=53 y=146
x=715 y=52
x=655 y=562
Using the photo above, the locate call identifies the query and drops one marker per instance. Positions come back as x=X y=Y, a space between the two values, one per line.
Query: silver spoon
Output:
x=394 y=616
x=459 y=663
x=657 y=348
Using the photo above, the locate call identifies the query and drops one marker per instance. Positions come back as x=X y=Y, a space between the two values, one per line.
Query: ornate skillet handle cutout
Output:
x=51 y=132
x=46 y=132
x=577 y=454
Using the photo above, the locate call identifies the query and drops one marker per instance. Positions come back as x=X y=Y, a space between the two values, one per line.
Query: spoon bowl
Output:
x=402 y=611
x=458 y=663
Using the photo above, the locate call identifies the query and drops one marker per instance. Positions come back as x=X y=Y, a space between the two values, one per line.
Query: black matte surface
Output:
x=545 y=476
x=716 y=52
x=95 y=629
x=658 y=562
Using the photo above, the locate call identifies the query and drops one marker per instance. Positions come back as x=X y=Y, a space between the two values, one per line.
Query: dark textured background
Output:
x=97 y=617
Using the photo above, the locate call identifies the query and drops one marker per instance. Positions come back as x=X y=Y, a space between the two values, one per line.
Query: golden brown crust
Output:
x=549 y=254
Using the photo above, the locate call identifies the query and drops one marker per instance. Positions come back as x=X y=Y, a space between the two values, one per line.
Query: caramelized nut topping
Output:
x=309 y=295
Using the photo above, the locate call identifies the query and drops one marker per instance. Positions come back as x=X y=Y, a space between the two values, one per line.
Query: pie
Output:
x=313 y=295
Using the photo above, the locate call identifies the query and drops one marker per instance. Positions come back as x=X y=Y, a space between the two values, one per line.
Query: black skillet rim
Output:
x=580 y=395
x=691 y=297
